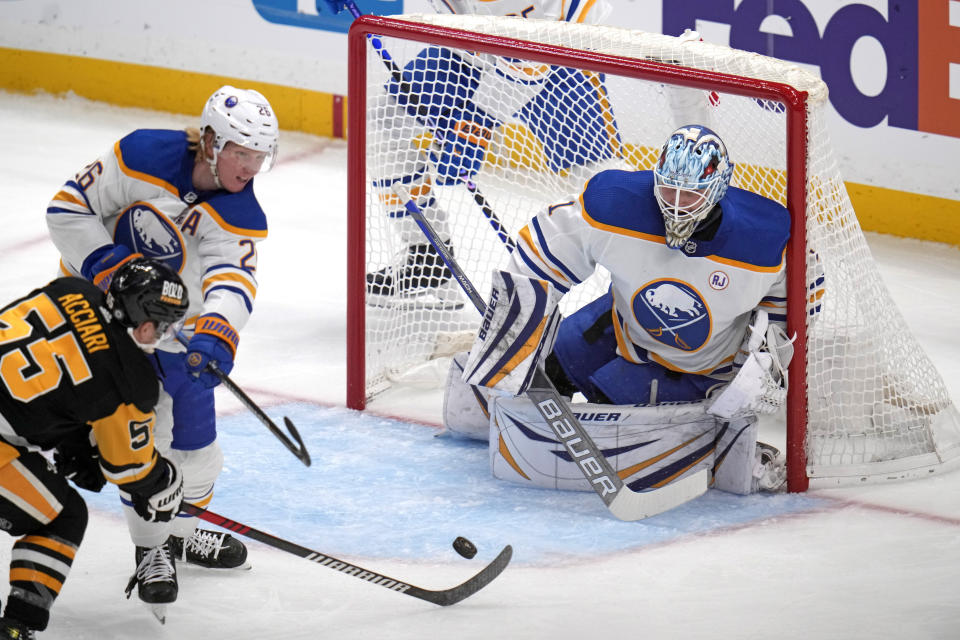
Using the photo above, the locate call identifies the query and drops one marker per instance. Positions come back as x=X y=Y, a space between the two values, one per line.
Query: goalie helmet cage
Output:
x=870 y=406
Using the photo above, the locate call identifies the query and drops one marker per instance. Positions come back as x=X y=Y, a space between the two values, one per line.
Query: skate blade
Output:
x=246 y=566
x=159 y=611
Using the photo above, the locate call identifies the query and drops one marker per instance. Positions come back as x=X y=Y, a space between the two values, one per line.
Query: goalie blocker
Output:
x=648 y=446
x=518 y=330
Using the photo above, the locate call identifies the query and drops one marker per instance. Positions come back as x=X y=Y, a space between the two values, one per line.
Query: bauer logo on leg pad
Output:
x=517 y=331
x=647 y=446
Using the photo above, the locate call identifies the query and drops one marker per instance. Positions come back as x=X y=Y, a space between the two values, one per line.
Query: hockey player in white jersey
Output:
x=697 y=289
x=186 y=199
x=690 y=261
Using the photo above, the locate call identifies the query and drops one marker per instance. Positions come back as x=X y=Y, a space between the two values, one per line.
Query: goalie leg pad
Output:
x=517 y=332
x=466 y=407
x=646 y=445
x=736 y=447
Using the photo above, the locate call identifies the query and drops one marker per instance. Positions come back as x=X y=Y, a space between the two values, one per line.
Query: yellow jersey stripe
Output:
x=240 y=231
x=230 y=277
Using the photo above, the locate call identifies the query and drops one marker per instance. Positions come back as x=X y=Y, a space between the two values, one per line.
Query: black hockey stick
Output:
x=620 y=499
x=295 y=445
x=443 y=597
x=492 y=217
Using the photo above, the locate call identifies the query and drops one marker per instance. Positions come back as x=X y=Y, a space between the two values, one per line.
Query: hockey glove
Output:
x=214 y=340
x=78 y=460
x=163 y=502
x=100 y=265
x=460 y=146
x=760 y=386
x=517 y=333
x=335 y=6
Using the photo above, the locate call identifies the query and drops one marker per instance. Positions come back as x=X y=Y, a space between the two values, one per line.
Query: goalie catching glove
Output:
x=760 y=385
x=518 y=329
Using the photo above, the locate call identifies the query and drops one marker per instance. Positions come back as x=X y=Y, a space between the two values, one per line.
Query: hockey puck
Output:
x=464 y=547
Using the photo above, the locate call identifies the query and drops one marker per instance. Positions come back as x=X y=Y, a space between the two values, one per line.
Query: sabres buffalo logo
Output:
x=674 y=313
x=144 y=229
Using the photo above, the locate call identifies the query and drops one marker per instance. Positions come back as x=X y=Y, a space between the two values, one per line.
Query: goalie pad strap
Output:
x=518 y=329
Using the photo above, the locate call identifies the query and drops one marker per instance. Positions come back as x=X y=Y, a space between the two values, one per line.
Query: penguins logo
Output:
x=673 y=313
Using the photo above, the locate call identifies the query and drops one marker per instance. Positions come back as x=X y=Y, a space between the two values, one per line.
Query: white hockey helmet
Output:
x=244 y=117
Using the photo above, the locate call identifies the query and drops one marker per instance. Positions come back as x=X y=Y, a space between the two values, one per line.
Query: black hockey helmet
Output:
x=147 y=290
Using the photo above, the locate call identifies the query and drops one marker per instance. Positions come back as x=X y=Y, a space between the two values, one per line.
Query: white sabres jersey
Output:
x=140 y=194
x=686 y=309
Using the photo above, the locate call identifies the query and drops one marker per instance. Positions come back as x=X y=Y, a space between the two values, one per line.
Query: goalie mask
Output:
x=243 y=117
x=691 y=176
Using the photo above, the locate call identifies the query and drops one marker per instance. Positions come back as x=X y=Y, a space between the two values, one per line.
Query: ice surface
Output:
x=389 y=495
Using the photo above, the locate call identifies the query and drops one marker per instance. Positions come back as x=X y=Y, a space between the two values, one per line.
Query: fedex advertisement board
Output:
x=892 y=66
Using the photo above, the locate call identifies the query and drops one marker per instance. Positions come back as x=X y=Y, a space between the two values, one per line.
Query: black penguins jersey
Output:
x=65 y=367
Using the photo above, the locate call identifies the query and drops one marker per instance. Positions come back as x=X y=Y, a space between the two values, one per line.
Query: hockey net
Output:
x=865 y=402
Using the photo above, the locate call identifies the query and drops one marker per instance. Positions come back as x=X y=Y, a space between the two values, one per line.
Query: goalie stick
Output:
x=442 y=597
x=297 y=448
x=623 y=502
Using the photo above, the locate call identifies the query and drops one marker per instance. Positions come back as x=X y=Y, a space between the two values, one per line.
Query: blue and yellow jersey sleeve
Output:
x=225 y=231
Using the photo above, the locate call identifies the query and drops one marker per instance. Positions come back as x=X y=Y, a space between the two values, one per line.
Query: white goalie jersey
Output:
x=140 y=194
x=685 y=309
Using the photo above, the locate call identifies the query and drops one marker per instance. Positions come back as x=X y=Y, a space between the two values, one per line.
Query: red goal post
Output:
x=873 y=446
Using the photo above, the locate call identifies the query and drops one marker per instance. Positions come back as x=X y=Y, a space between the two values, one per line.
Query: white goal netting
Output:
x=484 y=138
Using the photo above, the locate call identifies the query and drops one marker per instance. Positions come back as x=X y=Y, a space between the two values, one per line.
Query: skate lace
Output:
x=155 y=566
x=206 y=544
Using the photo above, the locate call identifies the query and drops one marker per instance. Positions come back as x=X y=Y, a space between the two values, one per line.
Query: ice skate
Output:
x=155 y=579
x=770 y=471
x=210 y=549
x=14 y=630
x=422 y=282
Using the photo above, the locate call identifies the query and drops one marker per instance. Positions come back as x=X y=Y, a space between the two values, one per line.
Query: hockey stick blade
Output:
x=635 y=505
x=443 y=597
x=293 y=442
x=621 y=500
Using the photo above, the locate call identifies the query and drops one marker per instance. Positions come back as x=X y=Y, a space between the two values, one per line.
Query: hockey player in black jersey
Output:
x=75 y=381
